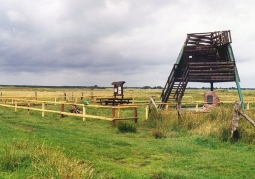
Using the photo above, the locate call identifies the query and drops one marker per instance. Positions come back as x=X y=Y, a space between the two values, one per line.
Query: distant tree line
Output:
x=100 y=87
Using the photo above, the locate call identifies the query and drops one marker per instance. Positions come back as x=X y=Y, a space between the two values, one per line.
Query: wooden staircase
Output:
x=174 y=88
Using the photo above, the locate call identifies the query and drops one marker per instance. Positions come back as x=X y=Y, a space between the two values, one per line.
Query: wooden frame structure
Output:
x=118 y=88
x=117 y=91
x=204 y=57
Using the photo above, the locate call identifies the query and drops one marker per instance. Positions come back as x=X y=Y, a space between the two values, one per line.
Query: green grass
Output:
x=194 y=146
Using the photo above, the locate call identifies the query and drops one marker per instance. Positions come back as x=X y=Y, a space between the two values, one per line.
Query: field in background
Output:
x=195 y=146
x=190 y=94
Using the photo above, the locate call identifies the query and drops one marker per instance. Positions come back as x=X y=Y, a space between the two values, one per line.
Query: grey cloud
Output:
x=138 y=41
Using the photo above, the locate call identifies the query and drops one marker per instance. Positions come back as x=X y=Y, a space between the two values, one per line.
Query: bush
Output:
x=126 y=127
x=158 y=133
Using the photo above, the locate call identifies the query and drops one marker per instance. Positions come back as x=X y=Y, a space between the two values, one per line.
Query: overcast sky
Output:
x=96 y=42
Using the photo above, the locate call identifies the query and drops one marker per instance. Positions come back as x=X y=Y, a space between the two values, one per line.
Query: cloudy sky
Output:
x=96 y=42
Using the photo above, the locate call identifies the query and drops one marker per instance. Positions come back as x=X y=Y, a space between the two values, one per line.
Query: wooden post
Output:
x=81 y=96
x=55 y=101
x=248 y=106
x=5 y=101
x=84 y=112
x=35 y=95
x=197 y=107
x=62 y=107
x=113 y=116
x=146 y=112
x=178 y=107
x=16 y=106
x=43 y=108
x=247 y=118
x=92 y=95
x=235 y=120
x=135 y=114
x=118 y=111
x=166 y=107
x=28 y=105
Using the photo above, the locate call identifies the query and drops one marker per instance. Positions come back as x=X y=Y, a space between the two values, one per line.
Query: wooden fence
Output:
x=32 y=105
x=29 y=104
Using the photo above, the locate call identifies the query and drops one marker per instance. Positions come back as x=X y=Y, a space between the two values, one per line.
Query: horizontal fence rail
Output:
x=35 y=105
x=39 y=105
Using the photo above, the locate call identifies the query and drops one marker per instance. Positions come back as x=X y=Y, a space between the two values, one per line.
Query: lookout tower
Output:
x=204 y=57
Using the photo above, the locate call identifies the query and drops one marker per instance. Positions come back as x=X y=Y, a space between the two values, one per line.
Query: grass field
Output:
x=195 y=146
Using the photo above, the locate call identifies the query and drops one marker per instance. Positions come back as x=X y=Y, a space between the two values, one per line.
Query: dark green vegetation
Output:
x=195 y=146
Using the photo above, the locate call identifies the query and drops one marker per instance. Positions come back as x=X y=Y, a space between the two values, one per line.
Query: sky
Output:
x=96 y=42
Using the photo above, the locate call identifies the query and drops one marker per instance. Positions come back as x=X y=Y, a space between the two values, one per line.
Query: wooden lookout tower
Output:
x=204 y=57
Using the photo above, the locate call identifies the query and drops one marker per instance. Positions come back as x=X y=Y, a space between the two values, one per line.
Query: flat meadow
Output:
x=195 y=145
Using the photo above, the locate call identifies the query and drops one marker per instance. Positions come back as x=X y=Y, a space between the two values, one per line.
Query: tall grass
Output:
x=215 y=123
x=41 y=162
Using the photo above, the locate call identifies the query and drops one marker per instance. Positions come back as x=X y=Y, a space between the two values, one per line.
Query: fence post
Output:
x=91 y=94
x=62 y=110
x=81 y=96
x=248 y=106
x=146 y=112
x=84 y=112
x=135 y=114
x=55 y=101
x=28 y=105
x=43 y=108
x=113 y=115
x=197 y=107
x=16 y=106
x=118 y=111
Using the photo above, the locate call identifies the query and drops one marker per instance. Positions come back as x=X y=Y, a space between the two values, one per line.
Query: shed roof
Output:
x=118 y=82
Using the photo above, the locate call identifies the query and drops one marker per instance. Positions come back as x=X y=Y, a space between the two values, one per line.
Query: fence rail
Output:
x=28 y=104
x=18 y=103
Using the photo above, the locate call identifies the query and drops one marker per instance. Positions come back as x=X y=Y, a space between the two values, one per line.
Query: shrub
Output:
x=158 y=133
x=126 y=127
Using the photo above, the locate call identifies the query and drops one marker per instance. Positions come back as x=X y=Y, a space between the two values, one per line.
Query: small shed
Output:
x=118 y=88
